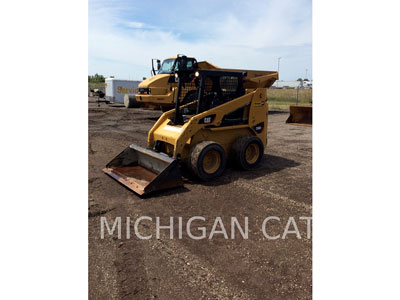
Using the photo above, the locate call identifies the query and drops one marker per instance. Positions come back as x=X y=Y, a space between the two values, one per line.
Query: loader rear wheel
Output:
x=247 y=152
x=207 y=160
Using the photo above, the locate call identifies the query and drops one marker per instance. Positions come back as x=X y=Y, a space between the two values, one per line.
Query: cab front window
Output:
x=185 y=64
x=166 y=67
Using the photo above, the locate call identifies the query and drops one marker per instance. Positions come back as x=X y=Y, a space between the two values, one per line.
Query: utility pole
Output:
x=277 y=82
x=306 y=73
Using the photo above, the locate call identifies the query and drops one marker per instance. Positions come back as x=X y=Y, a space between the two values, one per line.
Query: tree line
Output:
x=97 y=78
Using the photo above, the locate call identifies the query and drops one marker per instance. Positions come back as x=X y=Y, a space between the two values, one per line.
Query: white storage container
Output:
x=117 y=88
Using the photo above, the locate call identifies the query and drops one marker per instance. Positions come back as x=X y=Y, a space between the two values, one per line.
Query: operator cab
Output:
x=206 y=89
x=173 y=65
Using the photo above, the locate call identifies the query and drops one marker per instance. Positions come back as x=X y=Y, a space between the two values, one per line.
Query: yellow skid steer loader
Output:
x=226 y=120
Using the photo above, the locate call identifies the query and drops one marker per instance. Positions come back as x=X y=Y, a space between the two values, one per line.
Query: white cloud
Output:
x=137 y=25
x=251 y=37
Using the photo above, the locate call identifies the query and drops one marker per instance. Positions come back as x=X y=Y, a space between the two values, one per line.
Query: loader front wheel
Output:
x=207 y=160
x=247 y=152
x=130 y=101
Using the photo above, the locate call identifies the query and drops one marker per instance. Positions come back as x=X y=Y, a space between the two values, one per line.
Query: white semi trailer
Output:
x=116 y=89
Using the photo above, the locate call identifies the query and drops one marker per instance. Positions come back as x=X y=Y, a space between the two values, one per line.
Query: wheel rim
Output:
x=211 y=162
x=252 y=153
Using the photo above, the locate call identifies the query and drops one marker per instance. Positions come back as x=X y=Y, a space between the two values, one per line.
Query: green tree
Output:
x=299 y=79
x=96 y=78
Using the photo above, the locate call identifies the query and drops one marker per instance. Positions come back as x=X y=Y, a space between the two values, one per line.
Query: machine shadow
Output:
x=269 y=164
x=165 y=192
x=277 y=112
x=153 y=118
x=159 y=193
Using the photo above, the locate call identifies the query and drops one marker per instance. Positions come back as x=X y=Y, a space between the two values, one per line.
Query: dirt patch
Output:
x=253 y=268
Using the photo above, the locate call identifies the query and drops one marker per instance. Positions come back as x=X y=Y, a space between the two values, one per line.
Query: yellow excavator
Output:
x=226 y=119
x=160 y=90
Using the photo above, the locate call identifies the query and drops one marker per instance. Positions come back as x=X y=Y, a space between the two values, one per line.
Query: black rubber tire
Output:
x=130 y=101
x=197 y=155
x=239 y=152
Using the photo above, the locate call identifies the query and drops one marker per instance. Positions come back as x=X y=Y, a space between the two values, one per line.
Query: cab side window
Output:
x=189 y=64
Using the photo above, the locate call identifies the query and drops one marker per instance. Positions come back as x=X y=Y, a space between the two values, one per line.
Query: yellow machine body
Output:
x=160 y=90
x=179 y=138
x=199 y=136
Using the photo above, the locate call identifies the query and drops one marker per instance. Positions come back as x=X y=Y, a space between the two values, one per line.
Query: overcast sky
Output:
x=125 y=35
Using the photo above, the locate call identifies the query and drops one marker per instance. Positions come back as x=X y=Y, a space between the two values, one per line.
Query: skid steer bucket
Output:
x=300 y=115
x=144 y=170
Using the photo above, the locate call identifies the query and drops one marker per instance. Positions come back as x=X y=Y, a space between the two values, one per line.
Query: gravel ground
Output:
x=217 y=268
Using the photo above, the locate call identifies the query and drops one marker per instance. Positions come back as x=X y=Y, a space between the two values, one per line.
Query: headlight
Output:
x=176 y=75
x=197 y=74
x=144 y=91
